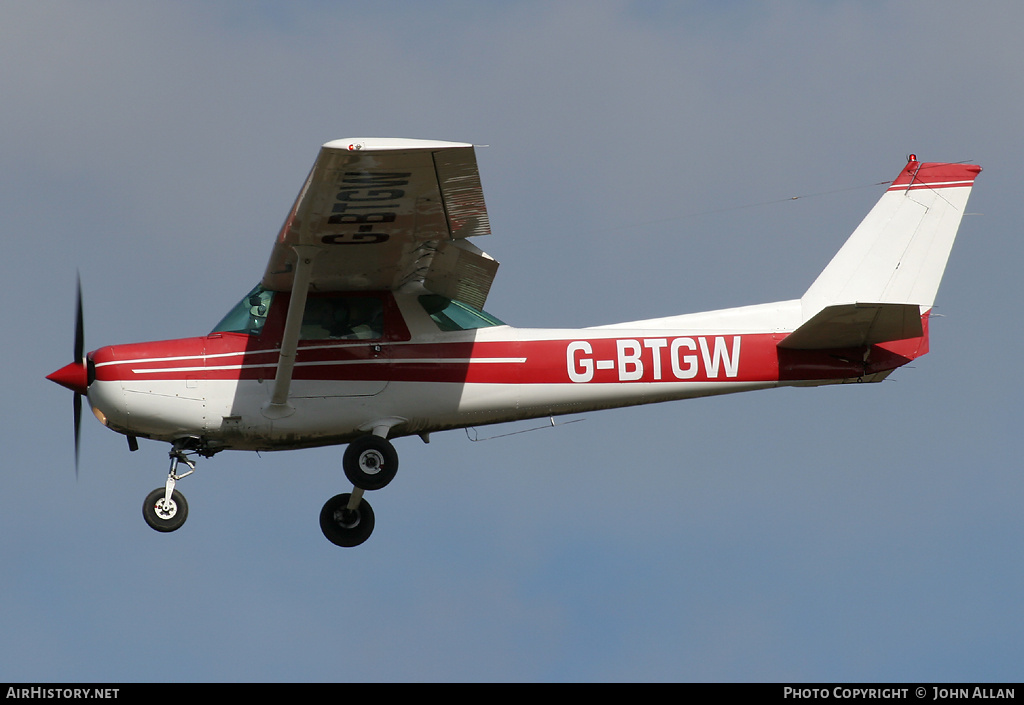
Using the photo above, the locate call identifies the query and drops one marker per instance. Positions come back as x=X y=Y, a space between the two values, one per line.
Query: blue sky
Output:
x=836 y=534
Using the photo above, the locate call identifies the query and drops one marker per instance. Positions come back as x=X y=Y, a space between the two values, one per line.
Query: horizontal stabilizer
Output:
x=856 y=325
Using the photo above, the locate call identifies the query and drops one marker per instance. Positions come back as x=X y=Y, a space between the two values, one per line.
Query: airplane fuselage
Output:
x=416 y=378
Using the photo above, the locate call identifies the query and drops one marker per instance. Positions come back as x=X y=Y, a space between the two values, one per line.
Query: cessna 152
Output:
x=368 y=325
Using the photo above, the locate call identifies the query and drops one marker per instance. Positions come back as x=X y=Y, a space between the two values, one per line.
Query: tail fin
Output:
x=898 y=253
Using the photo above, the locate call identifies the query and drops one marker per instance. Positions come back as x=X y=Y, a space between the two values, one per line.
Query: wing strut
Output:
x=278 y=406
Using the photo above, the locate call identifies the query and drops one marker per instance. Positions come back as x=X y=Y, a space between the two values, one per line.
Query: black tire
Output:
x=345 y=527
x=162 y=518
x=370 y=462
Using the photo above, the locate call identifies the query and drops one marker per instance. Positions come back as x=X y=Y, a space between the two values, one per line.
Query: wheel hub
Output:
x=371 y=462
x=346 y=518
x=166 y=508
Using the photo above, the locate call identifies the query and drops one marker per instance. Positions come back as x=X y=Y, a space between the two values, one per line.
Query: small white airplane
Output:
x=368 y=325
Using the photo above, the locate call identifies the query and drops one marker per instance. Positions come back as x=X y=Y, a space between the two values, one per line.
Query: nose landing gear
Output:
x=165 y=508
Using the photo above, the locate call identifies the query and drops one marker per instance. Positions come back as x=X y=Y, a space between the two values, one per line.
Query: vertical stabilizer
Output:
x=898 y=253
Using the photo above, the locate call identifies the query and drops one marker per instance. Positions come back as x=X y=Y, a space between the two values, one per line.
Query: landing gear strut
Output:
x=165 y=508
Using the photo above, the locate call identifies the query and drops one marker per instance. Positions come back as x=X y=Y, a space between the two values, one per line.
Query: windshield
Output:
x=454 y=315
x=249 y=315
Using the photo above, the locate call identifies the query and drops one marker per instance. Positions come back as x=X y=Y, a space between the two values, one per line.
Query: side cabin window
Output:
x=343 y=318
x=249 y=315
x=451 y=315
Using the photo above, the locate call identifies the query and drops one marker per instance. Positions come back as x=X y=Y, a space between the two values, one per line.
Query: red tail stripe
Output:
x=935 y=175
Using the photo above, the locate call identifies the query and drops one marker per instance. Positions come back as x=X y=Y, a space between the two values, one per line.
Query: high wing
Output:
x=386 y=213
x=379 y=214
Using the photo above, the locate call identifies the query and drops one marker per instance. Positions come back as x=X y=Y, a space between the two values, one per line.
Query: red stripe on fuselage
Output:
x=624 y=360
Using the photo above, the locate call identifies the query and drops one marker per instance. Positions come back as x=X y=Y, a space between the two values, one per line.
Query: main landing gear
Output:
x=370 y=463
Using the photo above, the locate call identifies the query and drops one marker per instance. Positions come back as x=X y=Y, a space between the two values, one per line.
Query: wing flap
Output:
x=856 y=325
x=461 y=271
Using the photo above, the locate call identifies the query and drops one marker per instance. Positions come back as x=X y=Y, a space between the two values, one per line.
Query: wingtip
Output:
x=375 y=144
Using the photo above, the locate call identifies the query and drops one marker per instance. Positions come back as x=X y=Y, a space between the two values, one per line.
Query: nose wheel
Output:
x=163 y=514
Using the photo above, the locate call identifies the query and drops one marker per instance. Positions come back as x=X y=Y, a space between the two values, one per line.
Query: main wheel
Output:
x=343 y=526
x=164 y=515
x=370 y=462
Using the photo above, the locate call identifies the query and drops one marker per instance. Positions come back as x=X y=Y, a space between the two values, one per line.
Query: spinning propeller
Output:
x=75 y=376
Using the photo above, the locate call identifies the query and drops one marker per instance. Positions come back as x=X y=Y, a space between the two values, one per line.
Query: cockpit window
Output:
x=343 y=318
x=249 y=315
x=451 y=315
